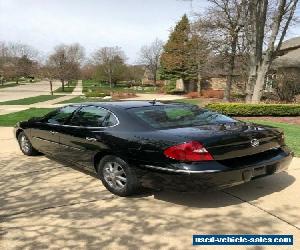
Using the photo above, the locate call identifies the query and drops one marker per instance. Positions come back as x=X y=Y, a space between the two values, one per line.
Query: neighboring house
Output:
x=287 y=61
x=288 y=57
x=148 y=78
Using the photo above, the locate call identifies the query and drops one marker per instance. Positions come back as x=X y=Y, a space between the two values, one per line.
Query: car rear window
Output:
x=172 y=116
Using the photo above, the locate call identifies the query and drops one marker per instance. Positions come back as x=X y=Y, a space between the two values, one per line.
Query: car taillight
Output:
x=189 y=151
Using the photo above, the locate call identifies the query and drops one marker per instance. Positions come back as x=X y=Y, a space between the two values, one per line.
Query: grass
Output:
x=11 y=119
x=194 y=101
x=67 y=89
x=79 y=99
x=291 y=131
x=103 y=87
x=31 y=100
x=8 y=85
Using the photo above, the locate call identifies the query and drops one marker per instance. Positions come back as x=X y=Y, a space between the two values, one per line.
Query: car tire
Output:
x=117 y=176
x=26 y=146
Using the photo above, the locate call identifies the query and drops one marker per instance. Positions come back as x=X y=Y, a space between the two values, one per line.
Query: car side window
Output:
x=111 y=120
x=90 y=116
x=60 y=116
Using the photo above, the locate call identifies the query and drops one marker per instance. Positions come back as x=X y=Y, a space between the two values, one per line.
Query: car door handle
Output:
x=90 y=139
x=53 y=132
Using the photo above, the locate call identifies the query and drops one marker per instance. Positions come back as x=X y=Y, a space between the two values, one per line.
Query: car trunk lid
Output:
x=232 y=140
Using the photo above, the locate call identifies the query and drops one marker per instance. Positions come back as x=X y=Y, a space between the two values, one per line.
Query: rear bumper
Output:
x=210 y=175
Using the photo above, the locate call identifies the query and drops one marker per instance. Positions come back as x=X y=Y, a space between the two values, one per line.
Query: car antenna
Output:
x=153 y=102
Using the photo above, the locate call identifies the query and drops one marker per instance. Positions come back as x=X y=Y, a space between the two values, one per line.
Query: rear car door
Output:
x=45 y=134
x=80 y=138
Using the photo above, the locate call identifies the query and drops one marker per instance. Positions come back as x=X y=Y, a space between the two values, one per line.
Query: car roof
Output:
x=125 y=104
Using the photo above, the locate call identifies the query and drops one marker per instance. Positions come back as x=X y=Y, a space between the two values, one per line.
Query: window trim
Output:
x=88 y=127
x=45 y=119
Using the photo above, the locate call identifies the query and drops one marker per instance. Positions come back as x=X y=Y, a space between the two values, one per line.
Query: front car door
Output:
x=81 y=136
x=45 y=133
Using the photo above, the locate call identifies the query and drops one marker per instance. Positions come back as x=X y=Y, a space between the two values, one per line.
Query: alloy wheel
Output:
x=114 y=175
x=25 y=144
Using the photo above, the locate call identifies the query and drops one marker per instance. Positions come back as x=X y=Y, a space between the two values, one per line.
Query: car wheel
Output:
x=25 y=145
x=117 y=176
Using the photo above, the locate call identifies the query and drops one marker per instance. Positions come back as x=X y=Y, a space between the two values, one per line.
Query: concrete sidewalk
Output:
x=46 y=204
x=6 y=109
x=78 y=88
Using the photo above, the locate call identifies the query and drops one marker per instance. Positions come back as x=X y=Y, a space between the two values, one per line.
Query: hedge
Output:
x=241 y=109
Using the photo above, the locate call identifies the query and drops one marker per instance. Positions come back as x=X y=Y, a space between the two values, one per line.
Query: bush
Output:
x=175 y=92
x=96 y=94
x=192 y=95
x=211 y=93
x=241 y=109
x=287 y=86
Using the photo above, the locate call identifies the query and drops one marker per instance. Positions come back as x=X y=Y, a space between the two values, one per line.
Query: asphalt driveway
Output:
x=46 y=204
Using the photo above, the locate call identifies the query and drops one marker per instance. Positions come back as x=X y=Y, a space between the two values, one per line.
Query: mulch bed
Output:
x=290 y=120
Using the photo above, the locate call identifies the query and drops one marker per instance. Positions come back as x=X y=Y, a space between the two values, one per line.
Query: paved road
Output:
x=27 y=90
x=46 y=204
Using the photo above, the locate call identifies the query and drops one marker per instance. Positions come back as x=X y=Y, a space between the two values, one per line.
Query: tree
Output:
x=17 y=60
x=48 y=72
x=110 y=63
x=223 y=24
x=150 y=57
x=198 y=54
x=175 y=60
x=266 y=24
x=135 y=73
x=66 y=61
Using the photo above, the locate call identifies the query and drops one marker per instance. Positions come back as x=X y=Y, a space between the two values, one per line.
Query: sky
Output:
x=129 y=24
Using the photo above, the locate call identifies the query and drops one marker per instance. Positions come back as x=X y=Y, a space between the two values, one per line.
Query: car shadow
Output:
x=253 y=190
x=231 y=196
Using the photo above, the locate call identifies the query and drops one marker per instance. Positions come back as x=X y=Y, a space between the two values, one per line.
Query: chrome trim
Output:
x=180 y=170
x=38 y=138
x=67 y=146
x=72 y=126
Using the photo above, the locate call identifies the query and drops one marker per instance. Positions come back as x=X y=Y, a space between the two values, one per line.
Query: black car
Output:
x=160 y=145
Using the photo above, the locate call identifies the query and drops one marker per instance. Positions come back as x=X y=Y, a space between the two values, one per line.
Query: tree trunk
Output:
x=51 y=87
x=68 y=84
x=110 y=80
x=62 y=85
x=199 y=78
x=227 y=93
x=154 y=79
x=251 y=82
x=260 y=82
x=17 y=81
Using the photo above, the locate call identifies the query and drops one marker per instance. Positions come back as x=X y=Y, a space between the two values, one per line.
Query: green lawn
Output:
x=291 y=131
x=194 y=101
x=6 y=85
x=11 y=119
x=67 y=89
x=102 y=87
x=79 y=99
x=31 y=100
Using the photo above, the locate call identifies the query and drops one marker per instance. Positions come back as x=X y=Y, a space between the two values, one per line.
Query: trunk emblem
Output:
x=254 y=142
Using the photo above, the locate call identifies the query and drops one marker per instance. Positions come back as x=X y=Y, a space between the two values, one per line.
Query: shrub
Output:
x=211 y=93
x=122 y=95
x=287 y=86
x=241 y=109
x=175 y=92
x=96 y=94
x=193 y=95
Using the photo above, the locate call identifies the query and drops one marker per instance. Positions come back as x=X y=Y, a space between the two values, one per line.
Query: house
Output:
x=288 y=57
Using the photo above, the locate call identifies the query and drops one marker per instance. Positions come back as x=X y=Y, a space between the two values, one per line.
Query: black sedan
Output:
x=160 y=145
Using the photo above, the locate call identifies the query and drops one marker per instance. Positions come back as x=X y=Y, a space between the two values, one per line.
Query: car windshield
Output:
x=172 y=116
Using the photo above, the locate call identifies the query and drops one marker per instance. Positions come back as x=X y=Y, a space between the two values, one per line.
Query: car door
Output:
x=80 y=139
x=45 y=133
